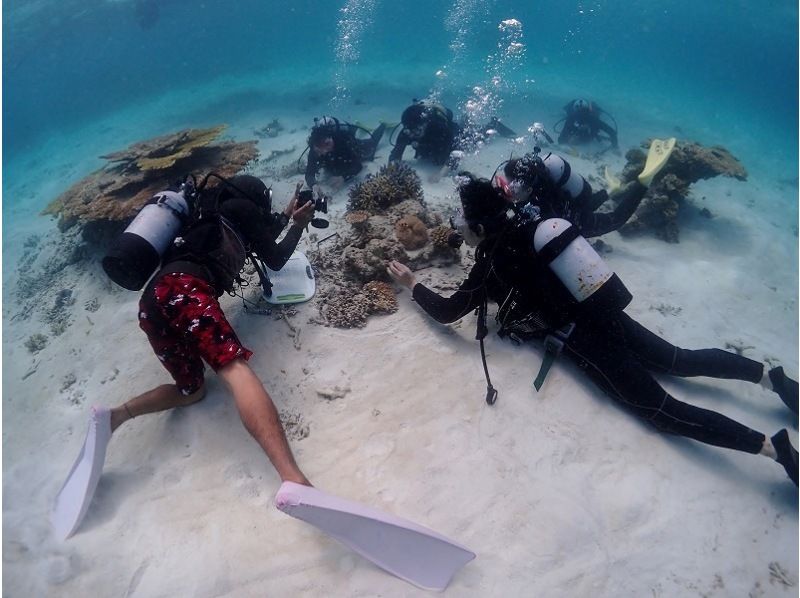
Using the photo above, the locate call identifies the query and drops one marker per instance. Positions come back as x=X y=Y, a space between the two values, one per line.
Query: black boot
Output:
x=787 y=455
x=785 y=387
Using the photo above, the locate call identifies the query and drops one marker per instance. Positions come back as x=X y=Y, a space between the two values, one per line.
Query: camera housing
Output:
x=320 y=205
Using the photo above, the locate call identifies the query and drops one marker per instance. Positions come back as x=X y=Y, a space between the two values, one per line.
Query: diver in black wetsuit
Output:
x=583 y=124
x=560 y=192
x=437 y=138
x=616 y=352
x=333 y=145
x=429 y=128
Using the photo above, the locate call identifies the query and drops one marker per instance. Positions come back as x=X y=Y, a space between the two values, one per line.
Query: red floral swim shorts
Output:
x=183 y=321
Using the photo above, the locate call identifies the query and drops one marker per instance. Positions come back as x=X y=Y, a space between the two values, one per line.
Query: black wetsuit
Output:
x=215 y=251
x=584 y=126
x=348 y=154
x=436 y=143
x=581 y=210
x=615 y=351
x=566 y=194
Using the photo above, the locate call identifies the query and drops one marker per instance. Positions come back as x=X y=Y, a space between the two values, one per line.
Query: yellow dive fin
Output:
x=612 y=182
x=657 y=156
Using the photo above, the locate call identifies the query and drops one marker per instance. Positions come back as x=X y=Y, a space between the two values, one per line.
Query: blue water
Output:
x=725 y=70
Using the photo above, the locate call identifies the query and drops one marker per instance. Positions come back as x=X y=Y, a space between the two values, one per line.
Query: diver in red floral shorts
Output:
x=181 y=315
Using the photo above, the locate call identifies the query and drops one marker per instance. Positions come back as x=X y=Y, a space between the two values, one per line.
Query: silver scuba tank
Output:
x=137 y=251
x=579 y=268
x=562 y=175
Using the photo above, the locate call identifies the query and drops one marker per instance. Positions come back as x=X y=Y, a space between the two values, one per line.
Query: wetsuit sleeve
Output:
x=470 y=295
x=312 y=168
x=594 y=224
x=566 y=130
x=399 y=147
x=258 y=233
x=608 y=130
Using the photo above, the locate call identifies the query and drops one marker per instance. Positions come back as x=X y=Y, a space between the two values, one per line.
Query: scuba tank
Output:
x=580 y=269
x=137 y=251
x=561 y=174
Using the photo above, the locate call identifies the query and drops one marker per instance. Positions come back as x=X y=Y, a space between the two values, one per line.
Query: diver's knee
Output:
x=195 y=397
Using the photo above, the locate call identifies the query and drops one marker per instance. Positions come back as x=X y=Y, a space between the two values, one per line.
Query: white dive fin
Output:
x=76 y=494
x=411 y=552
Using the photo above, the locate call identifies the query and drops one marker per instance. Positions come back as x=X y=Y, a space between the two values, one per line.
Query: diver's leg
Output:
x=621 y=376
x=160 y=398
x=260 y=418
x=659 y=355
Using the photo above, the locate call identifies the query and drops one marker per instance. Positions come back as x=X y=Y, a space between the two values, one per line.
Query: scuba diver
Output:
x=559 y=192
x=333 y=145
x=583 y=124
x=179 y=310
x=429 y=128
x=436 y=137
x=550 y=285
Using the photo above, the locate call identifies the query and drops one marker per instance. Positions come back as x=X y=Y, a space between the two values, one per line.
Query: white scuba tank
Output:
x=578 y=266
x=562 y=175
x=137 y=252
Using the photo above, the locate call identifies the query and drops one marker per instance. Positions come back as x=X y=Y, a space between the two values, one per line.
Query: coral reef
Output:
x=411 y=232
x=359 y=220
x=117 y=191
x=392 y=184
x=381 y=297
x=689 y=163
x=439 y=237
x=354 y=284
x=346 y=310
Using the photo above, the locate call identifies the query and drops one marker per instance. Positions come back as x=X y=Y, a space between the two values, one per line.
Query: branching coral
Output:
x=439 y=238
x=381 y=297
x=394 y=183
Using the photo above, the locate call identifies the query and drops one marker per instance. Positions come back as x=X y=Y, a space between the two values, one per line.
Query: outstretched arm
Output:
x=399 y=147
x=442 y=309
x=275 y=255
x=594 y=224
x=608 y=130
x=312 y=168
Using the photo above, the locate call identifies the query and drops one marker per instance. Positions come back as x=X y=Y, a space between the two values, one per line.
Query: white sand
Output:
x=559 y=493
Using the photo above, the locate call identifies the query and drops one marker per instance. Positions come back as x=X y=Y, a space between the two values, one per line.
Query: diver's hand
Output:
x=290 y=207
x=401 y=274
x=302 y=216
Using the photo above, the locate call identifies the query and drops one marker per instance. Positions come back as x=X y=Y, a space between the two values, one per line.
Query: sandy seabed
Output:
x=560 y=492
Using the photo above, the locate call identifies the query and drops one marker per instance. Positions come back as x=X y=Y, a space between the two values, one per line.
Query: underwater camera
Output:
x=320 y=205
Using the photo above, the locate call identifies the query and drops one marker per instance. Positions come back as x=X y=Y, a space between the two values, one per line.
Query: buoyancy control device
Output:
x=138 y=250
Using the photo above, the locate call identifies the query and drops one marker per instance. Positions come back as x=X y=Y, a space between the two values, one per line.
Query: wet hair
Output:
x=530 y=170
x=323 y=128
x=248 y=187
x=483 y=203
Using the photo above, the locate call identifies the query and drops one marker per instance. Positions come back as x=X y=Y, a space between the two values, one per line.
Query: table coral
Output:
x=118 y=191
x=689 y=163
